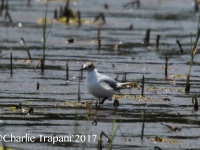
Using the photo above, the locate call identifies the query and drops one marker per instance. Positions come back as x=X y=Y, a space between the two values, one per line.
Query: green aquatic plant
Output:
x=109 y=138
x=44 y=40
x=113 y=134
x=45 y=36
x=193 y=53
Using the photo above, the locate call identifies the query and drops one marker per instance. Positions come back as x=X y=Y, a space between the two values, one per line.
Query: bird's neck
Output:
x=92 y=74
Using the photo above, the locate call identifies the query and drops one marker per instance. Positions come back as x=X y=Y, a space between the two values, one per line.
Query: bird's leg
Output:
x=103 y=100
x=97 y=103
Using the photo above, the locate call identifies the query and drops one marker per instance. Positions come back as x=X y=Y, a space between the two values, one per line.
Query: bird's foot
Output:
x=103 y=100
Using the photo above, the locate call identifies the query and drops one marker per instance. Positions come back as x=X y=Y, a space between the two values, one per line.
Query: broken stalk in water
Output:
x=166 y=65
x=142 y=93
x=147 y=37
x=143 y=125
x=179 y=45
x=67 y=71
x=99 y=37
x=38 y=86
x=11 y=64
x=79 y=18
x=23 y=43
x=79 y=90
x=157 y=41
x=195 y=103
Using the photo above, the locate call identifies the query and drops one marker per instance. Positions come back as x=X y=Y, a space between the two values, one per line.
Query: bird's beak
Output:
x=83 y=68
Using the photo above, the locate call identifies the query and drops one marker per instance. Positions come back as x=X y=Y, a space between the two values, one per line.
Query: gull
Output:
x=100 y=85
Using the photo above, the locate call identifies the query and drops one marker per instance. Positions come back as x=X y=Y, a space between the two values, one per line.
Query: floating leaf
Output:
x=176 y=76
x=154 y=88
x=12 y=108
x=51 y=0
x=160 y=139
x=41 y=21
x=126 y=96
x=76 y=21
x=75 y=104
x=141 y=98
x=117 y=96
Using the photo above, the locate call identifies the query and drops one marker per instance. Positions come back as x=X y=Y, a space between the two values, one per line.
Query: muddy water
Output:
x=57 y=112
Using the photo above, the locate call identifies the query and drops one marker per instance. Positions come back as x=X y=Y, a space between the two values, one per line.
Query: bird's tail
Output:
x=126 y=85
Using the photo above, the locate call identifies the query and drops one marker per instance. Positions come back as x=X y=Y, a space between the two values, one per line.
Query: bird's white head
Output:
x=88 y=66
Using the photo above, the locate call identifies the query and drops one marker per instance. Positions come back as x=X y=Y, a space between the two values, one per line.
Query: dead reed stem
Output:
x=166 y=65
x=180 y=46
x=24 y=45
x=79 y=90
x=2 y=6
x=79 y=18
x=195 y=103
x=147 y=37
x=67 y=71
x=38 y=86
x=157 y=41
x=99 y=37
x=11 y=65
x=42 y=65
x=81 y=73
x=143 y=125
x=142 y=86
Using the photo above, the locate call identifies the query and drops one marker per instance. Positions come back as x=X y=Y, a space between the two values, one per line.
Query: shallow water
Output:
x=56 y=111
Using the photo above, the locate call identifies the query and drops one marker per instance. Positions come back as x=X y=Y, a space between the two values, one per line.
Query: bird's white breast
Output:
x=96 y=88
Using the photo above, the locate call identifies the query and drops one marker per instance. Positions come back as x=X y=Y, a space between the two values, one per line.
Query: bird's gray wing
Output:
x=109 y=81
